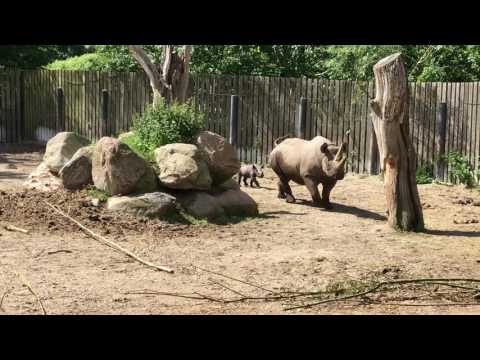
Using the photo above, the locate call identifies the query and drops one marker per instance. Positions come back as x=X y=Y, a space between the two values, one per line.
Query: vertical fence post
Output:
x=60 y=110
x=22 y=106
x=373 y=146
x=302 y=118
x=105 y=128
x=440 y=140
x=233 y=139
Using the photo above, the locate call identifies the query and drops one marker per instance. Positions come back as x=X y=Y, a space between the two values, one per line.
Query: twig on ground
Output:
x=226 y=287
x=232 y=278
x=110 y=243
x=209 y=298
x=14 y=228
x=29 y=287
x=380 y=285
x=204 y=297
x=59 y=251
x=3 y=298
x=451 y=304
x=186 y=296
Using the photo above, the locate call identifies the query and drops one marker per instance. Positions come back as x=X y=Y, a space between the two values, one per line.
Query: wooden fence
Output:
x=32 y=108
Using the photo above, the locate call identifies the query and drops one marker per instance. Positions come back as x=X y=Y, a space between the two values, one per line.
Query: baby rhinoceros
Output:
x=309 y=163
x=250 y=171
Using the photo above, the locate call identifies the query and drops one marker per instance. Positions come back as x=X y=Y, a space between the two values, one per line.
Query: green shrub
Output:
x=166 y=124
x=95 y=193
x=460 y=169
x=424 y=174
x=92 y=61
x=134 y=143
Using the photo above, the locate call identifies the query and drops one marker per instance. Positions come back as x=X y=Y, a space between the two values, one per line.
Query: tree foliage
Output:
x=34 y=56
x=349 y=62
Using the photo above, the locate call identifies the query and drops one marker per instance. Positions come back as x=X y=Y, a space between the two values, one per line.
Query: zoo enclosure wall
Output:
x=33 y=109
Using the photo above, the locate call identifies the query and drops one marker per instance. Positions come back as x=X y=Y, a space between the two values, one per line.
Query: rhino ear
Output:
x=323 y=147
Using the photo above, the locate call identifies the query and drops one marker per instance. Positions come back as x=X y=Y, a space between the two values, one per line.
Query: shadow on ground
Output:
x=344 y=209
x=12 y=175
x=453 y=233
x=22 y=148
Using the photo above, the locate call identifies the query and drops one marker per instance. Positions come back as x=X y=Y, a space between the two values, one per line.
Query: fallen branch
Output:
x=226 y=287
x=3 y=298
x=234 y=279
x=14 y=228
x=110 y=243
x=383 y=284
x=198 y=296
x=29 y=287
x=59 y=251
x=450 y=304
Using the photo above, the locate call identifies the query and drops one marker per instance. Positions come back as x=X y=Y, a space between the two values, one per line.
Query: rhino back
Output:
x=287 y=156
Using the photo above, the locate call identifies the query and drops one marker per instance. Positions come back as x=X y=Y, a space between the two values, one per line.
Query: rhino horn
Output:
x=339 y=152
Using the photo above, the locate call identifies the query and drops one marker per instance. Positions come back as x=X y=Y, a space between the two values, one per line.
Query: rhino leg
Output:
x=281 y=192
x=254 y=181
x=288 y=190
x=285 y=190
x=245 y=181
x=312 y=187
x=327 y=188
x=239 y=179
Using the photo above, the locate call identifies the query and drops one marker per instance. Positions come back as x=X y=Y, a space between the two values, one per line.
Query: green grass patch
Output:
x=424 y=174
x=97 y=194
x=134 y=143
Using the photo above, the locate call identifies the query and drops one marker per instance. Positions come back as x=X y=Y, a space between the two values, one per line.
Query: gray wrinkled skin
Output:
x=250 y=171
x=309 y=163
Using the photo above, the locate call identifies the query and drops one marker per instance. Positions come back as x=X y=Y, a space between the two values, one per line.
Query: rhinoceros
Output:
x=250 y=171
x=308 y=163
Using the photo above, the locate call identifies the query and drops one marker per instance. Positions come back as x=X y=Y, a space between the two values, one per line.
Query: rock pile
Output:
x=197 y=177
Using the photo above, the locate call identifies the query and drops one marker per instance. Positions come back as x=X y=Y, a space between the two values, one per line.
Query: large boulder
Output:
x=156 y=204
x=77 y=173
x=237 y=203
x=42 y=179
x=200 y=204
x=230 y=184
x=61 y=148
x=117 y=170
x=215 y=205
x=221 y=157
x=181 y=166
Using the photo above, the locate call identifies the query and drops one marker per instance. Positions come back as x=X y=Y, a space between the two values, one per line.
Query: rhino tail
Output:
x=280 y=139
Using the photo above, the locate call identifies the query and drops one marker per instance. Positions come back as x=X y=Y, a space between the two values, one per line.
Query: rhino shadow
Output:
x=452 y=233
x=344 y=209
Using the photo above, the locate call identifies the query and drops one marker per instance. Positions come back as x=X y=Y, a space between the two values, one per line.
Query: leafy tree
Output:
x=90 y=61
x=34 y=56
x=349 y=62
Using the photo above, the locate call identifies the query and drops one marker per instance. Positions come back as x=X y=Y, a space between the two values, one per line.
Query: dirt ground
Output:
x=289 y=247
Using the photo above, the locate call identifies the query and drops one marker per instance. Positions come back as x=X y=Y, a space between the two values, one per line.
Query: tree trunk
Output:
x=171 y=80
x=397 y=156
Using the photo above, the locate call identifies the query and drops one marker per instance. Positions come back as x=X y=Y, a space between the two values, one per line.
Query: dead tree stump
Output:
x=397 y=156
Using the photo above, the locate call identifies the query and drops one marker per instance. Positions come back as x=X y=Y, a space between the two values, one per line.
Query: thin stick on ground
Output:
x=148 y=292
x=111 y=243
x=59 y=251
x=14 y=228
x=234 y=279
x=226 y=287
x=3 y=298
x=29 y=287
x=383 y=284
x=451 y=304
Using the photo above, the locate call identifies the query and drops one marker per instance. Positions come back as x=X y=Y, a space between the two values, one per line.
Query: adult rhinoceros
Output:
x=308 y=163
